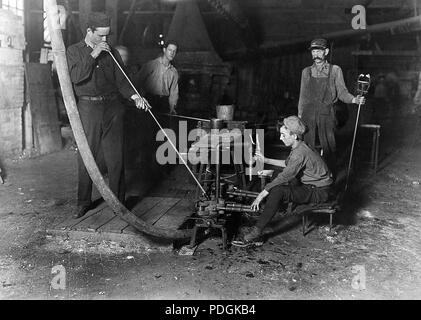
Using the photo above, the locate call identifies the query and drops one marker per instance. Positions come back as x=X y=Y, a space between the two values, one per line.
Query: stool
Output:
x=375 y=144
x=329 y=208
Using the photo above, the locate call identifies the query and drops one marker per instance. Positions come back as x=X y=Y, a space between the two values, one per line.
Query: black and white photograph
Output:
x=210 y=156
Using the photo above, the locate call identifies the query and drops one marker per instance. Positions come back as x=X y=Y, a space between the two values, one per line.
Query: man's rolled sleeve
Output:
x=342 y=91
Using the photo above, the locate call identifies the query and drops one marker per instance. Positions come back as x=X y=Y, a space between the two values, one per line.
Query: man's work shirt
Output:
x=157 y=79
x=306 y=165
x=96 y=77
x=337 y=86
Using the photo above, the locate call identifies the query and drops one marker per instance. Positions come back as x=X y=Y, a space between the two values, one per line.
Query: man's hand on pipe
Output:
x=172 y=111
x=102 y=46
x=256 y=203
x=258 y=156
x=359 y=100
x=141 y=103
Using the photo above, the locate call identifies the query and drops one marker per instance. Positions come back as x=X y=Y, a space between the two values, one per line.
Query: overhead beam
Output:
x=395 y=27
x=167 y=12
x=410 y=24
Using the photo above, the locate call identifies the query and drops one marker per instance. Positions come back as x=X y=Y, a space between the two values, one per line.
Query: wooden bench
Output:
x=329 y=208
x=305 y=210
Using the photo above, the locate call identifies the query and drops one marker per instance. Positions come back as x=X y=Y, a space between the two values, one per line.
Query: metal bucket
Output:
x=225 y=112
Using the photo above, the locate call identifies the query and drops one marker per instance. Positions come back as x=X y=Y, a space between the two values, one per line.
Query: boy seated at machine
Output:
x=303 y=165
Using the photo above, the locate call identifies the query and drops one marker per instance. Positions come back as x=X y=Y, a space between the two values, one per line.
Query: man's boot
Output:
x=251 y=238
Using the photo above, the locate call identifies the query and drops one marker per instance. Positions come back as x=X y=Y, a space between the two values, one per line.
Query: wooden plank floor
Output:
x=165 y=212
x=168 y=205
x=151 y=216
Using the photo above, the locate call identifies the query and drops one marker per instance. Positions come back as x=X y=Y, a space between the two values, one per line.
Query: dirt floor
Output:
x=373 y=252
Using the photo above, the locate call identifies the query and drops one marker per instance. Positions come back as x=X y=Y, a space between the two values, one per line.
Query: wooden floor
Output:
x=102 y=223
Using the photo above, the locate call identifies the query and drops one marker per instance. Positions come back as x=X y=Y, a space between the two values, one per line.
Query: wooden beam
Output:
x=397 y=53
x=394 y=26
x=157 y=12
x=398 y=26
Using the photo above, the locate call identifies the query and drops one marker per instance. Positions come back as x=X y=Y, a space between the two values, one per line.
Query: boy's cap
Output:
x=295 y=125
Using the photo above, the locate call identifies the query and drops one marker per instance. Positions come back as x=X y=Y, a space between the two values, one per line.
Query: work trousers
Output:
x=295 y=193
x=323 y=127
x=160 y=105
x=319 y=116
x=103 y=125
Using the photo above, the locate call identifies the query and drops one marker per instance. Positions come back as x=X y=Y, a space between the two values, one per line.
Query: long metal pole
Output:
x=159 y=125
x=184 y=117
x=352 y=147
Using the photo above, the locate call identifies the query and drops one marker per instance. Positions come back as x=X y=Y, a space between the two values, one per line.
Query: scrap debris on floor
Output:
x=371 y=253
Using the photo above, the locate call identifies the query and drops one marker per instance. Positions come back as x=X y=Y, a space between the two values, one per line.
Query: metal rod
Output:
x=159 y=125
x=251 y=159
x=352 y=147
x=218 y=172
x=243 y=193
x=235 y=207
x=184 y=117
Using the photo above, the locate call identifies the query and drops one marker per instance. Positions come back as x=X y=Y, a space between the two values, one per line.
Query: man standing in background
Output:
x=322 y=84
x=158 y=80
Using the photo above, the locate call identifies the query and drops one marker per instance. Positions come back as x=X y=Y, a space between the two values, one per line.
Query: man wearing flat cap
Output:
x=322 y=84
x=304 y=179
x=97 y=82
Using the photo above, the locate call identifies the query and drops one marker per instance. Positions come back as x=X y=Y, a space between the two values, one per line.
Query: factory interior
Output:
x=199 y=162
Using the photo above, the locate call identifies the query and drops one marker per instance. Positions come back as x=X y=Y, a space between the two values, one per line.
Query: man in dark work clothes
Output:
x=322 y=84
x=97 y=82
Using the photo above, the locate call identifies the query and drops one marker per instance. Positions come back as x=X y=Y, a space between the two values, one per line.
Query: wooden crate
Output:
x=47 y=134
